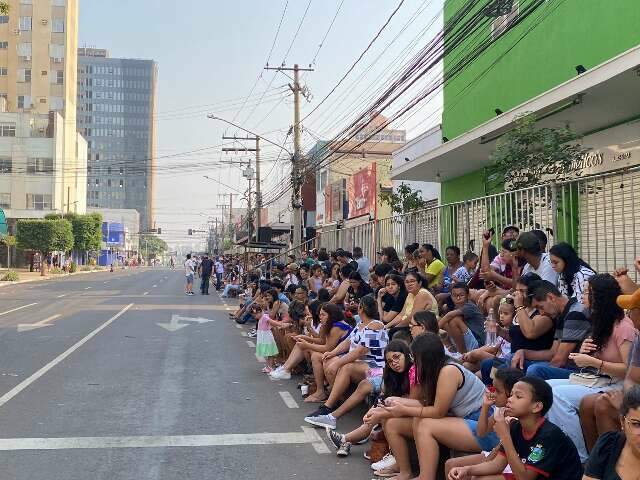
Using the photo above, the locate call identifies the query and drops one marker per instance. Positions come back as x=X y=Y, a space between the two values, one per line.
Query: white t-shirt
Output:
x=188 y=267
x=544 y=270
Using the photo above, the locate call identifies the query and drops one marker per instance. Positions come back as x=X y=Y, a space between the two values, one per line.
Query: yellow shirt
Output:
x=408 y=304
x=435 y=268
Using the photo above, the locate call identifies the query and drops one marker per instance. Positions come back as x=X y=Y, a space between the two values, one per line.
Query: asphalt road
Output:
x=91 y=387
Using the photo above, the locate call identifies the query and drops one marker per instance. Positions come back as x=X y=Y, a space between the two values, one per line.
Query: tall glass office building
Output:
x=116 y=110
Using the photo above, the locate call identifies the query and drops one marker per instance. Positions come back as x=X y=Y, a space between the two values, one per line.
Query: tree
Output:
x=45 y=236
x=404 y=199
x=152 y=245
x=527 y=156
x=4 y=8
x=87 y=230
x=9 y=241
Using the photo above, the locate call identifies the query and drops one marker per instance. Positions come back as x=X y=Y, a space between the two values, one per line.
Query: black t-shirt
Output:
x=363 y=290
x=549 y=453
x=207 y=266
x=604 y=456
x=390 y=303
x=520 y=342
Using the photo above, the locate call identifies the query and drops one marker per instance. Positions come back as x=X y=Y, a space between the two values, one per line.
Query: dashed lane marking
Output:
x=238 y=326
x=145 y=293
x=251 y=344
x=87 y=288
x=18 y=308
x=63 y=295
x=288 y=400
x=244 y=334
x=318 y=444
x=154 y=286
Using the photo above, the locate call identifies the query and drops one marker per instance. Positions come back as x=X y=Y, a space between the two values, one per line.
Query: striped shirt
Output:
x=375 y=341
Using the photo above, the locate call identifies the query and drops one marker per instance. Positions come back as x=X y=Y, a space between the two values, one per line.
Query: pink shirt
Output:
x=263 y=323
x=413 y=378
x=623 y=331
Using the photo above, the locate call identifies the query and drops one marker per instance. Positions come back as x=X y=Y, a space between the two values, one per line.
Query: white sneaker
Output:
x=280 y=374
x=387 y=461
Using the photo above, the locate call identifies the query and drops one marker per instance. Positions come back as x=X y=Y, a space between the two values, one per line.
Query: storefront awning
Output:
x=605 y=96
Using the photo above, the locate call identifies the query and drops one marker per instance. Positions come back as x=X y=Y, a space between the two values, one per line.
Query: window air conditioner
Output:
x=27 y=58
x=16 y=32
x=44 y=21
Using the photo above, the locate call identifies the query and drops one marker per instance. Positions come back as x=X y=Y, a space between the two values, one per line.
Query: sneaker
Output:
x=321 y=421
x=321 y=410
x=344 y=449
x=387 y=461
x=280 y=374
x=252 y=334
x=335 y=438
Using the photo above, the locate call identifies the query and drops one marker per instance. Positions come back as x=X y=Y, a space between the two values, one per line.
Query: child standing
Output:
x=532 y=446
x=265 y=343
x=468 y=268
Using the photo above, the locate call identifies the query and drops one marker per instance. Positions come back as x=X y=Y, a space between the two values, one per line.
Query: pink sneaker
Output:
x=266 y=370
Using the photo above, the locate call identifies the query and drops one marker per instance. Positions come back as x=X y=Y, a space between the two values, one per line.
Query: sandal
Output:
x=312 y=399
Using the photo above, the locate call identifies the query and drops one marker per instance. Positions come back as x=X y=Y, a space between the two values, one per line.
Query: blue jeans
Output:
x=546 y=371
x=564 y=411
x=487 y=364
x=229 y=287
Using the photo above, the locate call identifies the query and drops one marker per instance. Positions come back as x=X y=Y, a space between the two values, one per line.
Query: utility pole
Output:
x=296 y=180
x=255 y=138
x=223 y=206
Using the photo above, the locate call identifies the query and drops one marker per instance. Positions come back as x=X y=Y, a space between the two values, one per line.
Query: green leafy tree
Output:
x=4 y=8
x=527 y=156
x=152 y=245
x=404 y=199
x=87 y=230
x=9 y=241
x=45 y=236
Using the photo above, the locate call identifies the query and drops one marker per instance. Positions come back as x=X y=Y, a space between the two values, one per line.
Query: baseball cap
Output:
x=629 y=302
x=528 y=242
x=510 y=227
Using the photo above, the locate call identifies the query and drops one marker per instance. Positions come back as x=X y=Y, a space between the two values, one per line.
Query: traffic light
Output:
x=190 y=231
x=159 y=231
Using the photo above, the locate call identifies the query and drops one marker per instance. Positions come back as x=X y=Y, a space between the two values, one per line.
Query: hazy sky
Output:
x=210 y=54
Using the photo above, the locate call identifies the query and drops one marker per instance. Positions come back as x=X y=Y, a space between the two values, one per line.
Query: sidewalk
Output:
x=27 y=276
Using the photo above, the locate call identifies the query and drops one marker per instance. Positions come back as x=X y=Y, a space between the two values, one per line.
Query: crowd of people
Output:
x=521 y=362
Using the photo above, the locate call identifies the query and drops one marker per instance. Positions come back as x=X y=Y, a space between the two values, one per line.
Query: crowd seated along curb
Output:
x=519 y=361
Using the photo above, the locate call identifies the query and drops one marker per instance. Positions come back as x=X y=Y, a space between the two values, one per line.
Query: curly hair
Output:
x=605 y=312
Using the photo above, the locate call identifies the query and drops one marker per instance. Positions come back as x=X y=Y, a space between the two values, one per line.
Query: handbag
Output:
x=591 y=379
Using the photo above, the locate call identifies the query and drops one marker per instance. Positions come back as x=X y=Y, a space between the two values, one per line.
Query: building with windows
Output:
x=560 y=62
x=116 y=110
x=42 y=157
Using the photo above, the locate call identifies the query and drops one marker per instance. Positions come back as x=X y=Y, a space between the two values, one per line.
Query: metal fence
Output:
x=598 y=215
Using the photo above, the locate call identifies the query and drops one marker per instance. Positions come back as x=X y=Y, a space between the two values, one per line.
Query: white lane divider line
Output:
x=18 y=308
x=306 y=436
x=260 y=359
x=251 y=344
x=288 y=400
x=318 y=443
x=238 y=325
x=145 y=293
x=229 y=308
x=61 y=296
x=243 y=333
x=29 y=380
x=87 y=288
x=154 y=286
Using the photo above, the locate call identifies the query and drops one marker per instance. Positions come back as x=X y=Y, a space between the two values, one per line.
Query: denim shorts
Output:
x=470 y=340
x=376 y=384
x=190 y=278
x=489 y=441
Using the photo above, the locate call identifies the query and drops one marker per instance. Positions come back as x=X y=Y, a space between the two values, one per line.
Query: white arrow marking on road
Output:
x=25 y=327
x=175 y=324
x=18 y=308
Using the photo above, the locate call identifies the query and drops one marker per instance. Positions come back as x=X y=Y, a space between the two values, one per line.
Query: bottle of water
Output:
x=491 y=327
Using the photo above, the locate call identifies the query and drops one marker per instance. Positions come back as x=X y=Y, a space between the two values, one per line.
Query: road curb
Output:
x=49 y=277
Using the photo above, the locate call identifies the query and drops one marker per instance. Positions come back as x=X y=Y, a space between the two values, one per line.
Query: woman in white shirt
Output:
x=573 y=272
